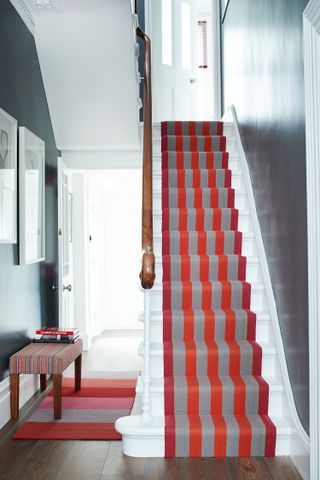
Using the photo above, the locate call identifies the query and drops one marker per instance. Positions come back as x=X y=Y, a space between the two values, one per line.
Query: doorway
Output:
x=183 y=34
x=105 y=238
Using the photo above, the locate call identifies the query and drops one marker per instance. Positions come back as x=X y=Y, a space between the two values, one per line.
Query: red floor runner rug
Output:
x=216 y=402
x=89 y=414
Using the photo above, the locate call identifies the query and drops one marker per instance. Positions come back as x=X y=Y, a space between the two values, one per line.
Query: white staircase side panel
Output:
x=280 y=407
x=299 y=442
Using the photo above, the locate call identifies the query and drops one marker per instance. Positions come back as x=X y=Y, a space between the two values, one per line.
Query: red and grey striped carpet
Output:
x=216 y=402
x=88 y=414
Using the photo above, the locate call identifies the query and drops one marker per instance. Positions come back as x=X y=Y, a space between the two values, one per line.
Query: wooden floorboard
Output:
x=85 y=461
x=248 y=469
x=282 y=468
x=67 y=460
x=101 y=460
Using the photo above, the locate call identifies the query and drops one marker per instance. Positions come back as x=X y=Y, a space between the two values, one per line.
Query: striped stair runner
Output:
x=216 y=402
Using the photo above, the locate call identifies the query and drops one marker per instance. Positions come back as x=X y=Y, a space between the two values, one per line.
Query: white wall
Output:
x=113 y=220
x=87 y=59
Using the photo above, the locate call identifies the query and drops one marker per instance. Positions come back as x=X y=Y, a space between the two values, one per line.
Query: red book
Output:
x=56 y=331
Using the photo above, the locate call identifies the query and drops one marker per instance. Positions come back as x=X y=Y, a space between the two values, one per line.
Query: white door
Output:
x=174 y=59
x=65 y=207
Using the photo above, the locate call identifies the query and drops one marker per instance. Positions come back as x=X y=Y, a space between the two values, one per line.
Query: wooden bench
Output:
x=44 y=359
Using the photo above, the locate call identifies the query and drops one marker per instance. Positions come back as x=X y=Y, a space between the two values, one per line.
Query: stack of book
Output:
x=56 y=335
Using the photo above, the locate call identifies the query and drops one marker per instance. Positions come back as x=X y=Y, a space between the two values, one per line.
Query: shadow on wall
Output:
x=262 y=48
x=26 y=300
x=9 y=343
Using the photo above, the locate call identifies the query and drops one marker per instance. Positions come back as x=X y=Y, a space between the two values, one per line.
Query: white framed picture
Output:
x=8 y=178
x=31 y=197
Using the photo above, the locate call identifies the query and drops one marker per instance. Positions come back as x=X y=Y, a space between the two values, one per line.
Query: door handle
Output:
x=54 y=287
x=68 y=287
x=193 y=80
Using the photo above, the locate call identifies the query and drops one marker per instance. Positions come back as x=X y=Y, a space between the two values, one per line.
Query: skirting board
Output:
x=29 y=384
x=300 y=444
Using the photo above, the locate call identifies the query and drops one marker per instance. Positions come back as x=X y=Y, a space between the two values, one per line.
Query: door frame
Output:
x=311 y=33
x=60 y=245
x=61 y=166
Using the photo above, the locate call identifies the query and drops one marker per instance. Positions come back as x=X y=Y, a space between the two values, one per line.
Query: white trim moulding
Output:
x=311 y=32
x=103 y=159
x=29 y=384
x=25 y=14
x=299 y=450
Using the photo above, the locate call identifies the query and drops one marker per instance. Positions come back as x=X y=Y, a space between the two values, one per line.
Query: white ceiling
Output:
x=86 y=53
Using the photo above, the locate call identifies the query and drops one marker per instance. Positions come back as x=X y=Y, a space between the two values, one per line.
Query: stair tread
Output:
x=245 y=235
x=254 y=287
x=156 y=425
x=191 y=170
x=239 y=192
x=275 y=383
x=156 y=348
x=154 y=313
x=252 y=259
x=199 y=283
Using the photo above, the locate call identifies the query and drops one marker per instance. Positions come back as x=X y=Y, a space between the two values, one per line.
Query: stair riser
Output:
x=228 y=131
x=244 y=225
x=241 y=201
x=144 y=446
x=253 y=273
x=237 y=182
x=234 y=163
x=231 y=146
x=249 y=247
x=263 y=331
x=258 y=300
x=269 y=365
x=277 y=401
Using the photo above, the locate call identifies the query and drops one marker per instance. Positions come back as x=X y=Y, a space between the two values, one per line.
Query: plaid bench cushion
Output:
x=50 y=358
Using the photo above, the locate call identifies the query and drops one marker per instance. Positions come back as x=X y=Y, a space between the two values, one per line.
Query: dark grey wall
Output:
x=263 y=78
x=141 y=17
x=26 y=300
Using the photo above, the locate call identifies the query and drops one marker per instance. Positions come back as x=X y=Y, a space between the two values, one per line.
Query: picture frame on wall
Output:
x=31 y=197
x=8 y=178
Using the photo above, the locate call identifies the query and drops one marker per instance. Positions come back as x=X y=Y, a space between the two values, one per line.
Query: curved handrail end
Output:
x=147 y=274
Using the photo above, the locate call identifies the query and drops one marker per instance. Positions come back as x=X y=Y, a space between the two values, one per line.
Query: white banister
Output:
x=146 y=411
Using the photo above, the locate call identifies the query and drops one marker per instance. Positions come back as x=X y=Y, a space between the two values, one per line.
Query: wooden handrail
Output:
x=147 y=274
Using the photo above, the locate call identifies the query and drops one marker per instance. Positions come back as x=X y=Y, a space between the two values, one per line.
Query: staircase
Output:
x=231 y=401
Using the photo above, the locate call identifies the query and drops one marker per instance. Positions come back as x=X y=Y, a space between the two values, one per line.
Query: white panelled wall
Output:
x=312 y=100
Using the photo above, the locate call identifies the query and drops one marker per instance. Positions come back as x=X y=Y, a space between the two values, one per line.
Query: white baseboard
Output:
x=29 y=384
x=300 y=443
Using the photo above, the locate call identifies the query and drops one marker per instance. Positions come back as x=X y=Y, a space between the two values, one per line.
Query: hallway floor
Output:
x=114 y=352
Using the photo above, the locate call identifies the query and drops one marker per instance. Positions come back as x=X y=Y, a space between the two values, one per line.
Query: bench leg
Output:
x=57 y=394
x=14 y=396
x=77 y=373
x=43 y=381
